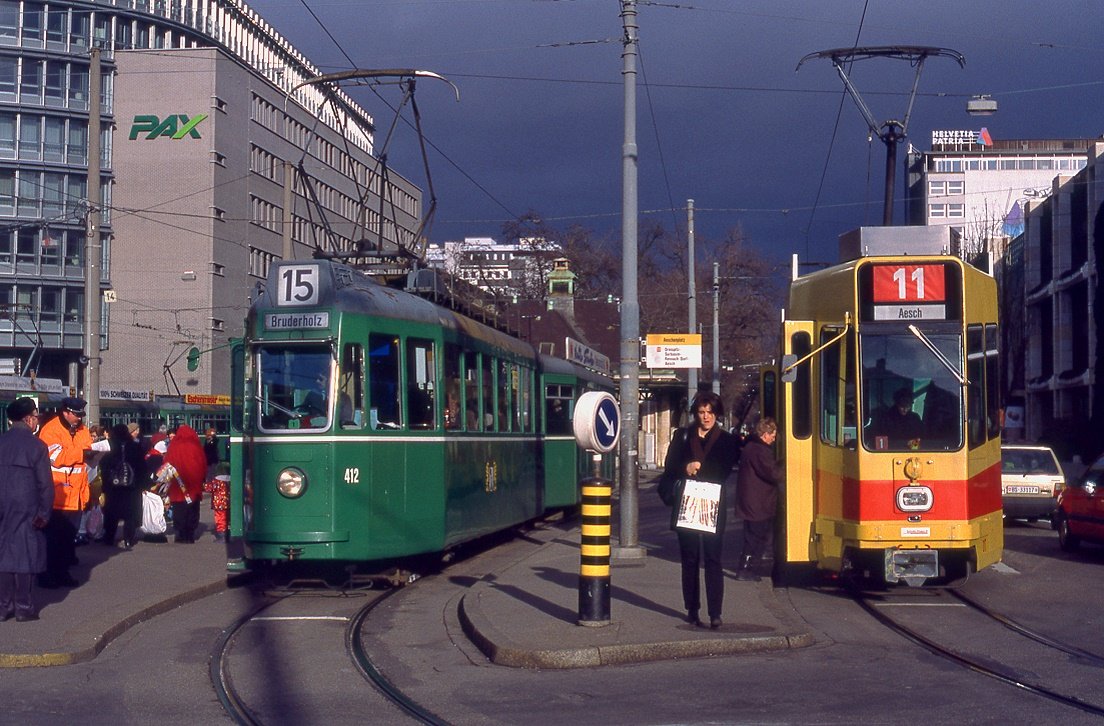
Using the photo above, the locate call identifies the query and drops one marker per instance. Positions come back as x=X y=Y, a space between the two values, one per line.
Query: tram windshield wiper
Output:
x=938 y=354
x=286 y=411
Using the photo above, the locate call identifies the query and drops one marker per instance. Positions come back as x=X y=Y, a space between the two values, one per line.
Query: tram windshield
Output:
x=911 y=401
x=294 y=387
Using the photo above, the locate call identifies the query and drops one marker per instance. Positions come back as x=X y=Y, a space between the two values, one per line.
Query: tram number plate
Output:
x=1019 y=489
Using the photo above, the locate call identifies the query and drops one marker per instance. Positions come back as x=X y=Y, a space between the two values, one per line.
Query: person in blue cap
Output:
x=26 y=497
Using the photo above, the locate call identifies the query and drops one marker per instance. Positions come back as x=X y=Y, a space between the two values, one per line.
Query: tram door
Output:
x=795 y=438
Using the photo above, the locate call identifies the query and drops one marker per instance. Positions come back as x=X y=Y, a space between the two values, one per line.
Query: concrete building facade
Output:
x=202 y=105
x=978 y=186
x=1062 y=248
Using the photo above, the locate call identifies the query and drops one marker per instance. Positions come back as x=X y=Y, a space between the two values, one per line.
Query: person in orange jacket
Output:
x=68 y=444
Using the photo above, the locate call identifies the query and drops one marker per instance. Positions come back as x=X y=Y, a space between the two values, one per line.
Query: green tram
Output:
x=369 y=424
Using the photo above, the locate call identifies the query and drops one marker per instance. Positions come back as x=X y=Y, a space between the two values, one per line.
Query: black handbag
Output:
x=668 y=489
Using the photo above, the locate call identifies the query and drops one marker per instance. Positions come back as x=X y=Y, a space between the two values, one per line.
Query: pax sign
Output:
x=175 y=126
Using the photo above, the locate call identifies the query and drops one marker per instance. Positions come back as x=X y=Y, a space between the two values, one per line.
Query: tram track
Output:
x=989 y=643
x=267 y=663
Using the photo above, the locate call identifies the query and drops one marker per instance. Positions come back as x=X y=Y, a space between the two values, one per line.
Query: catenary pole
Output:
x=716 y=328
x=691 y=287
x=92 y=254
x=630 y=306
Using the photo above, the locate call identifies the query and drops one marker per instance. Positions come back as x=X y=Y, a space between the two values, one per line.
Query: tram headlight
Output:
x=914 y=499
x=291 y=483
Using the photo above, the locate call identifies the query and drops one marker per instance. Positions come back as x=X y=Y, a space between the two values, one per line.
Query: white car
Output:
x=1031 y=480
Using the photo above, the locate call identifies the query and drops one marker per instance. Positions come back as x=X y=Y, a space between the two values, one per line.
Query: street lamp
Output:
x=981 y=105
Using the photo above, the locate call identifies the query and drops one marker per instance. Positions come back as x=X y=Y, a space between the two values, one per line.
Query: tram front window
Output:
x=911 y=401
x=294 y=387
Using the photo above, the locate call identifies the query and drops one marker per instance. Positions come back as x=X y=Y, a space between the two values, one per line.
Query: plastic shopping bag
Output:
x=153 y=514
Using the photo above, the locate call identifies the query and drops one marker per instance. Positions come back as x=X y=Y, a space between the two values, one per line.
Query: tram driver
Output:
x=898 y=426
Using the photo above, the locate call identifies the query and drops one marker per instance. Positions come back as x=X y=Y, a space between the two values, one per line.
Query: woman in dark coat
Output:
x=123 y=496
x=705 y=452
x=757 y=496
x=26 y=498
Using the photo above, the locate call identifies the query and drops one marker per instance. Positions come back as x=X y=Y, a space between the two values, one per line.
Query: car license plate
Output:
x=1020 y=489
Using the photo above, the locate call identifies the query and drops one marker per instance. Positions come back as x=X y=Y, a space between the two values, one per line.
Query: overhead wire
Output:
x=832 y=142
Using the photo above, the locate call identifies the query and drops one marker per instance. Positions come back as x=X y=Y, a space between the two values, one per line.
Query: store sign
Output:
x=175 y=126
x=207 y=399
x=120 y=394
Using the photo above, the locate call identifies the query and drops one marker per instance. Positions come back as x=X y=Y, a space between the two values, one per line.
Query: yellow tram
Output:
x=887 y=398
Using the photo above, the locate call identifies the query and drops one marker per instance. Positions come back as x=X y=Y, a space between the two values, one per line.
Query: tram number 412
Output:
x=909 y=283
x=352 y=475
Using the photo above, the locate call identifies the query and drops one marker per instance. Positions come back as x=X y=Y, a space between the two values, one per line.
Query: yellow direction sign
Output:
x=666 y=350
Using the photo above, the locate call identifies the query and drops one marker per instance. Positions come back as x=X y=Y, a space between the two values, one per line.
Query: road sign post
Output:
x=597 y=423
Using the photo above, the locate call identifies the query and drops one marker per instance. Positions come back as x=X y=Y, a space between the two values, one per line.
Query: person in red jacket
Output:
x=181 y=477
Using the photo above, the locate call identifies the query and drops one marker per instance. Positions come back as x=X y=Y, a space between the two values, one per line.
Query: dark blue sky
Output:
x=722 y=116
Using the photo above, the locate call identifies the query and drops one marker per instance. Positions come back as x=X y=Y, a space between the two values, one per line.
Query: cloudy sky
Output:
x=723 y=116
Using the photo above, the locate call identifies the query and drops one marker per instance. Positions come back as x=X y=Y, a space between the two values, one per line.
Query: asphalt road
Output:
x=857 y=672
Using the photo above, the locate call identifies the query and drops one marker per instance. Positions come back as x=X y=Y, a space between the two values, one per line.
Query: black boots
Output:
x=745 y=572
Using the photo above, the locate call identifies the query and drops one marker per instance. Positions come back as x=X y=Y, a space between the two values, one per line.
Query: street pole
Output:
x=630 y=306
x=692 y=317
x=92 y=253
x=716 y=328
x=289 y=218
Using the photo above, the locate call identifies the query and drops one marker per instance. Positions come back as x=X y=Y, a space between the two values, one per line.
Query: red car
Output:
x=1080 y=512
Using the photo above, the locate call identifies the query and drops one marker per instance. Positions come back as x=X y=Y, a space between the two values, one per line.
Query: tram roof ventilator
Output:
x=885 y=241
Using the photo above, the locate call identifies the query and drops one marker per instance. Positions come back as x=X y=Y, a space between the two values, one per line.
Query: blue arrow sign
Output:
x=606 y=423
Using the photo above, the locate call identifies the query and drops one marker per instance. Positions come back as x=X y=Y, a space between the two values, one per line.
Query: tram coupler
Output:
x=913 y=567
x=594 y=553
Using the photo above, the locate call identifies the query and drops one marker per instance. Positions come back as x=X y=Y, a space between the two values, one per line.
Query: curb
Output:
x=41 y=660
x=502 y=651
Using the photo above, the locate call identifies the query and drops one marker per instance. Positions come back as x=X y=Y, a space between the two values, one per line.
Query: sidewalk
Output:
x=524 y=616
x=118 y=590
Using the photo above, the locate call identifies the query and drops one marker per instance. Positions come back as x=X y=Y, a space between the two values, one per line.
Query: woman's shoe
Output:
x=693 y=619
x=715 y=623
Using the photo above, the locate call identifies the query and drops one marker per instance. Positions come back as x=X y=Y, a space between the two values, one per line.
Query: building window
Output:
x=218 y=158
x=259 y=262
x=219 y=214
x=217 y=269
x=218 y=325
x=956 y=211
x=937 y=211
x=956 y=187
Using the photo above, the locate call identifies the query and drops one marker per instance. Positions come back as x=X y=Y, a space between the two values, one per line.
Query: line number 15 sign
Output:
x=298 y=285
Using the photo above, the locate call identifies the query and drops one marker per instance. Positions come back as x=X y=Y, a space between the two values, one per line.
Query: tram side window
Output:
x=472 y=396
x=829 y=389
x=487 y=391
x=506 y=373
x=453 y=384
x=350 y=395
x=421 y=376
x=525 y=400
x=557 y=408
x=383 y=382
x=976 y=409
x=850 y=395
x=802 y=423
x=992 y=380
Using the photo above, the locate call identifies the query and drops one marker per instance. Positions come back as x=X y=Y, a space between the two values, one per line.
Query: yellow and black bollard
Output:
x=594 y=559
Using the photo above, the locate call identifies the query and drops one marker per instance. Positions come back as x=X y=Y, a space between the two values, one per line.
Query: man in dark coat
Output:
x=757 y=495
x=26 y=498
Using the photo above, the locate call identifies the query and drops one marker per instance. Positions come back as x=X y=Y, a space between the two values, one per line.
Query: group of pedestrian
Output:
x=45 y=488
x=704 y=452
